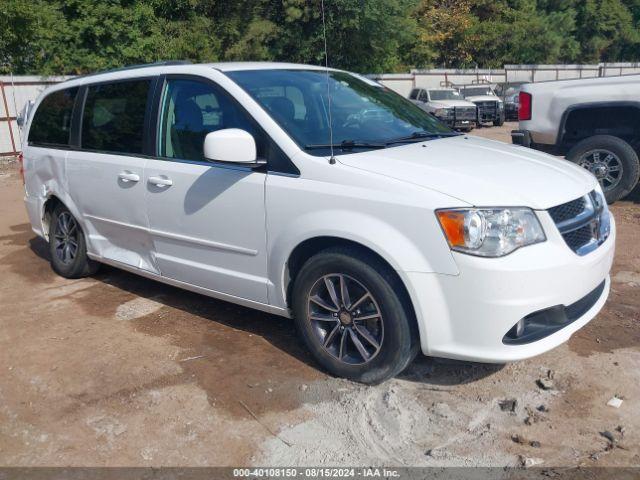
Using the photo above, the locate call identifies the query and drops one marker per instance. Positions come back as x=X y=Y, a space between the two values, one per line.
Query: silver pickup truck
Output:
x=593 y=122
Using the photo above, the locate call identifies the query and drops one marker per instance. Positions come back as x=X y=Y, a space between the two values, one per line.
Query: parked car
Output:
x=320 y=195
x=490 y=107
x=448 y=106
x=510 y=95
x=594 y=122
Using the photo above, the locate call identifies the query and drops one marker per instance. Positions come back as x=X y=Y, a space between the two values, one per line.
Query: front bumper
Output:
x=467 y=316
x=453 y=122
x=460 y=123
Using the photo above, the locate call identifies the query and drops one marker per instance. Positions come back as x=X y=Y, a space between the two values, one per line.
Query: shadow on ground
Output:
x=203 y=324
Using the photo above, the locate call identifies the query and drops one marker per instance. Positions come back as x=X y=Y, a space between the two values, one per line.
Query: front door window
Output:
x=190 y=110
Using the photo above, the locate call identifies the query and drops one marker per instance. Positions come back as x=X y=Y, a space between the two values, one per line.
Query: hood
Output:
x=450 y=103
x=480 y=172
x=483 y=98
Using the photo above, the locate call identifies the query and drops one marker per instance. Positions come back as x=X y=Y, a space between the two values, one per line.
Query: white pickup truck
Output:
x=593 y=122
x=448 y=106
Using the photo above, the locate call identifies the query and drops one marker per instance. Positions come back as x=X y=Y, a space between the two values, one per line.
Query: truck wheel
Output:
x=67 y=246
x=499 y=122
x=353 y=317
x=613 y=162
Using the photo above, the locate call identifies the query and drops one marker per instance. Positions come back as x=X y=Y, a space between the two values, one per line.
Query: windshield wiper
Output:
x=419 y=136
x=346 y=145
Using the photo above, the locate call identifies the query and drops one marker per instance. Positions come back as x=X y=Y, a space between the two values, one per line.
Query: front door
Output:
x=106 y=174
x=207 y=221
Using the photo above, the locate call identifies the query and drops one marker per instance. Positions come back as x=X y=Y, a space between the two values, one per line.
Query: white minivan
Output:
x=320 y=195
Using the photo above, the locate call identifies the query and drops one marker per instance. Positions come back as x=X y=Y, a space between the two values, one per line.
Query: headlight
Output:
x=604 y=217
x=490 y=232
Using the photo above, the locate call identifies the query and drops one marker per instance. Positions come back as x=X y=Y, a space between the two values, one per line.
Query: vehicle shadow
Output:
x=634 y=196
x=444 y=372
x=277 y=331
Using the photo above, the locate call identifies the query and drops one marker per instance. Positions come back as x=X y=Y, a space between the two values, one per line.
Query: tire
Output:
x=499 y=122
x=622 y=155
x=67 y=260
x=393 y=329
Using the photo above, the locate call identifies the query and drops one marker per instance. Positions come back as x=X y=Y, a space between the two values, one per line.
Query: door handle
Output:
x=128 y=176
x=160 y=181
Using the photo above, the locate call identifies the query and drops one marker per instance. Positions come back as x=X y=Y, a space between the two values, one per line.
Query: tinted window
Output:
x=52 y=121
x=414 y=94
x=190 y=110
x=113 y=119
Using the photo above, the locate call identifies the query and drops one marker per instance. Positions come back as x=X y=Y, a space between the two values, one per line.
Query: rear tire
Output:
x=499 y=122
x=67 y=246
x=612 y=160
x=338 y=327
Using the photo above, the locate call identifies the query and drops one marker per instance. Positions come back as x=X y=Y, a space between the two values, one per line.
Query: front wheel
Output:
x=613 y=162
x=353 y=316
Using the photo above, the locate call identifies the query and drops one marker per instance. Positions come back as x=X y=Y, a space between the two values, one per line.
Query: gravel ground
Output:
x=119 y=370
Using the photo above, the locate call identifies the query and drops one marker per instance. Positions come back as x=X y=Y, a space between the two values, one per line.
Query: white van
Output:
x=373 y=225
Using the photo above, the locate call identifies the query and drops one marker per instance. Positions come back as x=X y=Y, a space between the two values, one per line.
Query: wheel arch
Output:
x=50 y=202
x=48 y=207
x=314 y=245
x=584 y=120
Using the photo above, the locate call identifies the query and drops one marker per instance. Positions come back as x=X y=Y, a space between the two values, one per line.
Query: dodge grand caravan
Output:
x=320 y=195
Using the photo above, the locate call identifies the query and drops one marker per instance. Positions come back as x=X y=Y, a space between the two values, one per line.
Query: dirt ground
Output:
x=118 y=370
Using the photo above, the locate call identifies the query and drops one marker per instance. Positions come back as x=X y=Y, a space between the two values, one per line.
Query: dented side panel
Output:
x=111 y=195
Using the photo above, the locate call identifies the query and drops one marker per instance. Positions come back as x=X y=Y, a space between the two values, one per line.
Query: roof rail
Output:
x=133 y=67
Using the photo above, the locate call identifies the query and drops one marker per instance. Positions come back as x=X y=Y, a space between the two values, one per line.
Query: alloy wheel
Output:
x=65 y=238
x=345 y=318
x=605 y=165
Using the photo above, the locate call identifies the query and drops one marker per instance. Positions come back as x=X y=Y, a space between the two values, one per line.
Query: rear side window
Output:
x=113 y=118
x=414 y=94
x=51 y=123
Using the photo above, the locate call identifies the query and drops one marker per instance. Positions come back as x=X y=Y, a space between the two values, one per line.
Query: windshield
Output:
x=477 y=91
x=444 y=95
x=364 y=114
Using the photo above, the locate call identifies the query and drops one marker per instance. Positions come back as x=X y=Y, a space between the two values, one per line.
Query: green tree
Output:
x=78 y=36
x=608 y=30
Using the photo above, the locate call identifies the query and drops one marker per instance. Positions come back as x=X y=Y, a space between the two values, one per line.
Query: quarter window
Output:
x=190 y=110
x=51 y=123
x=114 y=114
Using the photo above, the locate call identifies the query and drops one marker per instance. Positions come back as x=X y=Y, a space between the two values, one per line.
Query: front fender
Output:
x=381 y=237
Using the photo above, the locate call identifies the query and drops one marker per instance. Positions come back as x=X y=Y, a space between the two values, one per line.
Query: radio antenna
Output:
x=332 y=160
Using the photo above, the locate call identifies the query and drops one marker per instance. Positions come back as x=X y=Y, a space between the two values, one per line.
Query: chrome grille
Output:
x=583 y=223
x=465 y=113
x=568 y=210
x=578 y=238
x=487 y=111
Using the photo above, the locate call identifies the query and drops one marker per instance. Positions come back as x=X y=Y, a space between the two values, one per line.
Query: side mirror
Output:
x=231 y=145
